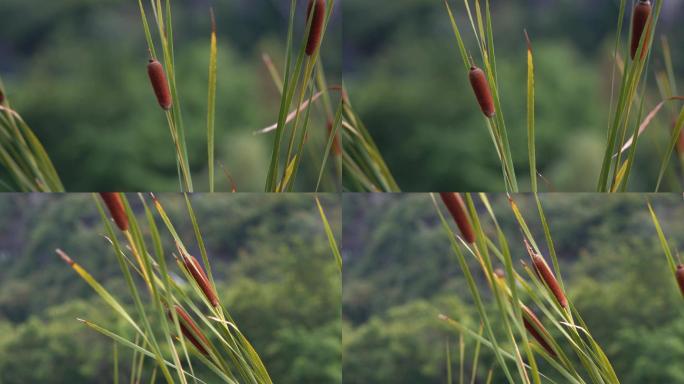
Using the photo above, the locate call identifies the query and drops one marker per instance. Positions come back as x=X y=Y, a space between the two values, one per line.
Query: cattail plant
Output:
x=478 y=80
x=534 y=326
x=640 y=18
x=300 y=86
x=485 y=87
x=317 y=20
x=195 y=269
x=457 y=209
x=513 y=352
x=625 y=113
x=190 y=330
x=160 y=85
x=116 y=209
x=231 y=358
x=544 y=273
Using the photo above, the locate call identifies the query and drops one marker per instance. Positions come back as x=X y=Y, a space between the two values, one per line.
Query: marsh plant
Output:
x=630 y=111
x=174 y=317
x=540 y=323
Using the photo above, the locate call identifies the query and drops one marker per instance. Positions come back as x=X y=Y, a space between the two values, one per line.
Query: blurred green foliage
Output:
x=405 y=78
x=76 y=71
x=270 y=255
x=400 y=274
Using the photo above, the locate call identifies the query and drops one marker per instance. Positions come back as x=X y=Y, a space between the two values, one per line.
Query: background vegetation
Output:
x=76 y=71
x=400 y=274
x=404 y=75
x=273 y=264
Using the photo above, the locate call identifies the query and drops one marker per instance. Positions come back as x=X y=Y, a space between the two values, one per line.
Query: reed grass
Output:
x=298 y=86
x=178 y=320
x=25 y=164
x=628 y=105
x=189 y=308
x=558 y=335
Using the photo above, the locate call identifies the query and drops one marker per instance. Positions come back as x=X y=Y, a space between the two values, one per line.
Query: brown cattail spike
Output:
x=456 y=206
x=534 y=327
x=478 y=80
x=316 y=25
x=336 y=148
x=680 y=277
x=2 y=97
x=641 y=22
x=544 y=272
x=116 y=209
x=161 y=87
x=195 y=269
x=190 y=330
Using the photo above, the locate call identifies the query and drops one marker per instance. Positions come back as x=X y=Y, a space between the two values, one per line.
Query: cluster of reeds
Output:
x=627 y=115
x=301 y=83
x=553 y=331
x=185 y=322
x=25 y=163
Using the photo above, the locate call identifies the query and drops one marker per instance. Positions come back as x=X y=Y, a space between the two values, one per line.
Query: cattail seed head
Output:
x=190 y=330
x=456 y=206
x=544 y=272
x=116 y=209
x=680 y=277
x=478 y=80
x=640 y=19
x=336 y=147
x=534 y=326
x=159 y=84
x=195 y=269
x=316 y=25
x=2 y=97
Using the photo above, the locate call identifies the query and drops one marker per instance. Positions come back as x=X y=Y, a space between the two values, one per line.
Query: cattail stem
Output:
x=159 y=84
x=534 y=327
x=116 y=209
x=190 y=330
x=641 y=22
x=193 y=267
x=478 y=80
x=545 y=274
x=316 y=29
x=680 y=277
x=456 y=206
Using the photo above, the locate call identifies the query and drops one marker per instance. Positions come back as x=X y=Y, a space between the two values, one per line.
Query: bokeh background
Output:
x=271 y=258
x=400 y=273
x=76 y=71
x=405 y=78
